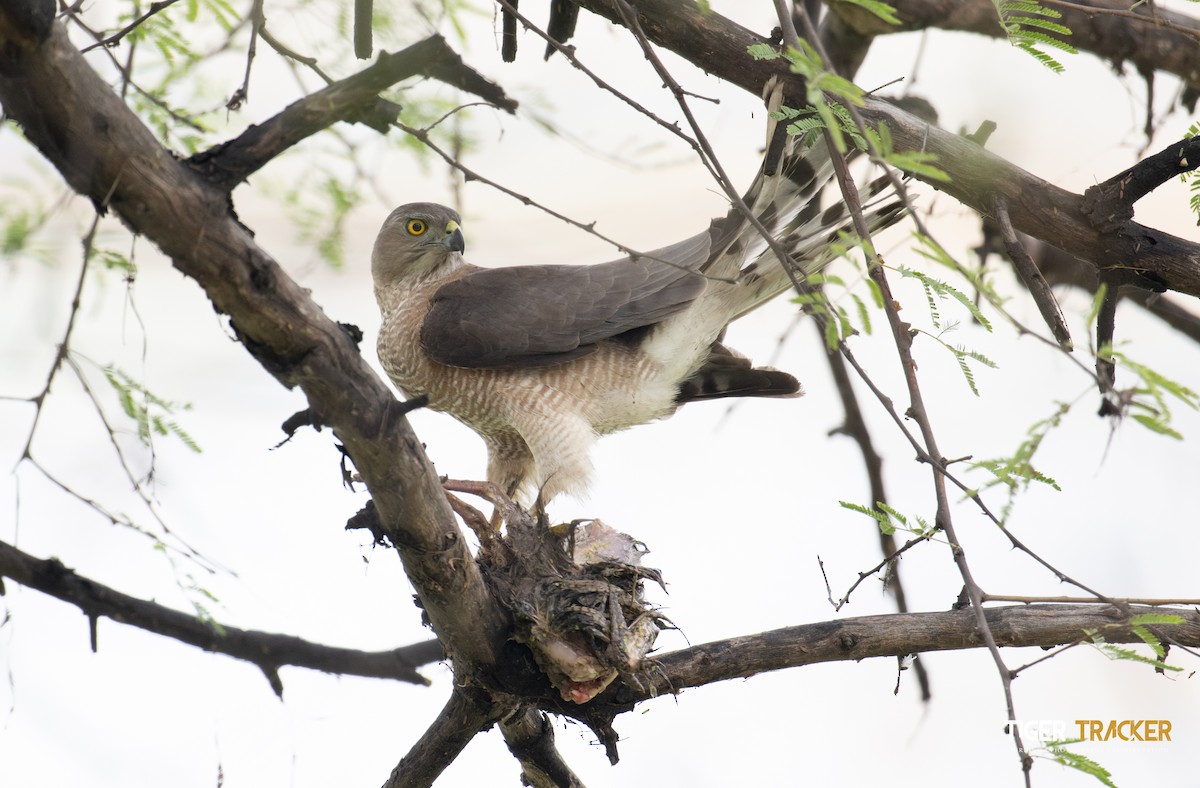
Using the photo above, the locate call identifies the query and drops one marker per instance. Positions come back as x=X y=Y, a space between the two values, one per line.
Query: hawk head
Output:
x=416 y=240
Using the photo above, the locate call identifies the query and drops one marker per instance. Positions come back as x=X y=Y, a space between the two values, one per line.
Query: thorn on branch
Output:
x=980 y=135
x=399 y=409
x=354 y=332
x=303 y=418
x=368 y=518
x=272 y=674
x=348 y=476
x=964 y=600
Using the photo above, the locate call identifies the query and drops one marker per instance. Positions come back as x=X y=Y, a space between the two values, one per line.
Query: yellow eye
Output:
x=416 y=227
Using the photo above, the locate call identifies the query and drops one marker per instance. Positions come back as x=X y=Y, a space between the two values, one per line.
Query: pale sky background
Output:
x=736 y=507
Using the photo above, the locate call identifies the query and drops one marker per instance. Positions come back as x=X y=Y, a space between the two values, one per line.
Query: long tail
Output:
x=786 y=198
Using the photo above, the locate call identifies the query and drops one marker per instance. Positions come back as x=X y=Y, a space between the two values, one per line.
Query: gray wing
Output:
x=535 y=316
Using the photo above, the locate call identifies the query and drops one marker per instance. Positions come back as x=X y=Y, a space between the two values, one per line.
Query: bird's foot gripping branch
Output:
x=573 y=594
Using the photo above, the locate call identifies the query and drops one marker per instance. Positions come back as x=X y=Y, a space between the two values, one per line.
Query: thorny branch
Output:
x=900 y=634
x=916 y=409
x=269 y=651
x=64 y=346
x=115 y=38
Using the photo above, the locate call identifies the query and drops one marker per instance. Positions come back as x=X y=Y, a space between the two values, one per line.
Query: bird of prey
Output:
x=540 y=360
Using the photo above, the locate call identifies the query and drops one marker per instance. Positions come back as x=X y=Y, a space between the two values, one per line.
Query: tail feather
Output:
x=726 y=373
x=785 y=197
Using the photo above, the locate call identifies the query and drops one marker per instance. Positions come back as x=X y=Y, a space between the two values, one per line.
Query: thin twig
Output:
x=887 y=559
x=1017 y=671
x=917 y=411
x=569 y=53
x=64 y=345
x=257 y=21
x=115 y=38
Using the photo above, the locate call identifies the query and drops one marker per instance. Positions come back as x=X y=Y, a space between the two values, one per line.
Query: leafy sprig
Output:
x=151 y=414
x=1030 y=25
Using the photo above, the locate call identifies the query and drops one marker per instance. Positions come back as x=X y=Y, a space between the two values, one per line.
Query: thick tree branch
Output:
x=355 y=98
x=267 y=650
x=106 y=153
x=465 y=714
x=1061 y=268
x=899 y=635
x=1133 y=253
x=1110 y=204
x=1151 y=38
x=530 y=738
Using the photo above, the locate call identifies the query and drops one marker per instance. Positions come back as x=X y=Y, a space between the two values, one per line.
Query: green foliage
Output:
x=319 y=203
x=1192 y=178
x=200 y=598
x=1139 y=623
x=882 y=10
x=1153 y=413
x=962 y=357
x=150 y=413
x=936 y=291
x=934 y=252
x=1120 y=653
x=837 y=316
x=1016 y=472
x=818 y=82
x=15 y=231
x=1030 y=25
x=889 y=520
x=828 y=112
x=1061 y=755
x=114 y=261
x=916 y=162
x=810 y=122
x=22 y=215
x=1148 y=403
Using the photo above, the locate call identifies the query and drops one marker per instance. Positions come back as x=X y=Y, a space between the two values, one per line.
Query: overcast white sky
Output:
x=736 y=507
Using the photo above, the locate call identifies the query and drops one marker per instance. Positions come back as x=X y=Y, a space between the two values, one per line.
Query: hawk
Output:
x=540 y=360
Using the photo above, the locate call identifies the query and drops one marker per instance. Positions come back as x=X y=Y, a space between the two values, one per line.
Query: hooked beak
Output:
x=454 y=241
